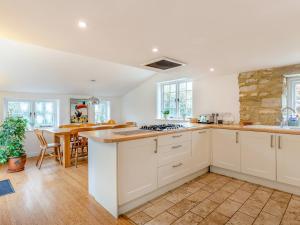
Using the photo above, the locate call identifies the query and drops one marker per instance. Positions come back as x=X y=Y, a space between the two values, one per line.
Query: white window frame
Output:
x=108 y=105
x=291 y=86
x=32 y=110
x=161 y=97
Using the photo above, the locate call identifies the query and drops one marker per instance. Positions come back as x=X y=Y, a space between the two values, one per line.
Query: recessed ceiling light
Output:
x=212 y=69
x=82 y=24
x=154 y=49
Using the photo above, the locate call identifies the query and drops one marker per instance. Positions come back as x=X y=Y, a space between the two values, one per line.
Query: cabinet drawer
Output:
x=175 y=152
x=174 y=138
x=173 y=171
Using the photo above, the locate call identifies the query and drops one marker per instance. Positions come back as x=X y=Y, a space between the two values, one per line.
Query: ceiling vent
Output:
x=163 y=64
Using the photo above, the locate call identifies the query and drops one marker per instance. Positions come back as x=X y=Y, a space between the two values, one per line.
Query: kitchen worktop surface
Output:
x=120 y=135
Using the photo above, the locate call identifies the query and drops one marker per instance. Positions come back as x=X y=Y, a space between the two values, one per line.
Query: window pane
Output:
x=19 y=109
x=102 y=112
x=189 y=86
x=297 y=97
x=182 y=86
x=44 y=114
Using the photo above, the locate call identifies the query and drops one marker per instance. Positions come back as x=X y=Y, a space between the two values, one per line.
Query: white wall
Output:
x=31 y=142
x=210 y=94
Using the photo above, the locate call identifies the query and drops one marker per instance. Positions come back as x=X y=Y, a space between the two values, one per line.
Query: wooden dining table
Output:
x=63 y=136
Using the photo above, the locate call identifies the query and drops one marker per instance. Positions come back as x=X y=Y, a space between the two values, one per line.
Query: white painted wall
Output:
x=31 y=142
x=210 y=94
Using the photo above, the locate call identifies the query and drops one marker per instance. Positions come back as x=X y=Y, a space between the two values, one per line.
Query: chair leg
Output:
x=76 y=157
x=42 y=158
x=39 y=158
x=59 y=155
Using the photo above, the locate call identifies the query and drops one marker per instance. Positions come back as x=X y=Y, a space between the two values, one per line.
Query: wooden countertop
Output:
x=110 y=136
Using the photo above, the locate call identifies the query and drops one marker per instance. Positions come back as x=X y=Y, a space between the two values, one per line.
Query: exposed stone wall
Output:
x=261 y=94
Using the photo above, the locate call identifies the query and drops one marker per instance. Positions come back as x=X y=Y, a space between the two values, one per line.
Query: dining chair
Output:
x=111 y=122
x=46 y=146
x=79 y=146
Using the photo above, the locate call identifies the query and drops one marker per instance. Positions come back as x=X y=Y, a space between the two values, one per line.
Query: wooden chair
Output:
x=111 y=122
x=79 y=146
x=44 y=147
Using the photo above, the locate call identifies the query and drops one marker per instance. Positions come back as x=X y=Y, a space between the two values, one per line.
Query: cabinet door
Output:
x=137 y=168
x=200 y=149
x=288 y=159
x=226 y=149
x=258 y=154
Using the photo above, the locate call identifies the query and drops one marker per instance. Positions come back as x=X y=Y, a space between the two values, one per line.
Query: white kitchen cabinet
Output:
x=226 y=149
x=137 y=168
x=201 y=154
x=258 y=154
x=288 y=159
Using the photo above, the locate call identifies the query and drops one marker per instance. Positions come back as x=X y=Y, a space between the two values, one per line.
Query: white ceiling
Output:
x=231 y=35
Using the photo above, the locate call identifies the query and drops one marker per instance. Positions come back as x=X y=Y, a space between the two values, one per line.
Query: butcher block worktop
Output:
x=118 y=135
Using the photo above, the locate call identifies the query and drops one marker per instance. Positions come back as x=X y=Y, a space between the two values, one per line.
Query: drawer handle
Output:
x=177 y=136
x=279 y=142
x=176 y=146
x=156 y=147
x=177 y=165
x=201 y=132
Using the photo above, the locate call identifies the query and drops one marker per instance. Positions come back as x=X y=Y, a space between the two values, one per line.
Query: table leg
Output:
x=56 y=140
x=67 y=151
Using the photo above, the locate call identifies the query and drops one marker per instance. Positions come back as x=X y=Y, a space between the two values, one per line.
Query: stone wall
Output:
x=261 y=94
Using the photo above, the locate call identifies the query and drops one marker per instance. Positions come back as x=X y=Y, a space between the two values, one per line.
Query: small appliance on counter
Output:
x=206 y=119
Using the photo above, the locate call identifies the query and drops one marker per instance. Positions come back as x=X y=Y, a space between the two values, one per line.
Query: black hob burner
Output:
x=162 y=127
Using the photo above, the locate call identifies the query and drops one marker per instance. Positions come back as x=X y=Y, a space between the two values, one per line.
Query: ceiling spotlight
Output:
x=82 y=24
x=154 y=49
x=211 y=69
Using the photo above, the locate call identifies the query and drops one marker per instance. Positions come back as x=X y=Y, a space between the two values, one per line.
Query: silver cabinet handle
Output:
x=177 y=136
x=176 y=146
x=177 y=165
x=237 y=137
x=156 y=145
x=279 y=142
x=201 y=132
x=272 y=138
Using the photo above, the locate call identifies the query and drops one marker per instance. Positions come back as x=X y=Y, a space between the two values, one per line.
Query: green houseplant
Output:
x=12 y=135
x=166 y=113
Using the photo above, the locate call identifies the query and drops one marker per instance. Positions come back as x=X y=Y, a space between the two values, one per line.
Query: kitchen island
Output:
x=128 y=167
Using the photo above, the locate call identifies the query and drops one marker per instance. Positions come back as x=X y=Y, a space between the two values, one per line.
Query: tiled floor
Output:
x=213 y=199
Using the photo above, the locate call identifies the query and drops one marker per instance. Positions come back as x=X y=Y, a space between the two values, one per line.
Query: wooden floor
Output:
x=53 y=195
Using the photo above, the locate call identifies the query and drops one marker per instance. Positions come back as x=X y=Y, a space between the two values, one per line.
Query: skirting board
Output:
x=140 y=201
x=256 y=180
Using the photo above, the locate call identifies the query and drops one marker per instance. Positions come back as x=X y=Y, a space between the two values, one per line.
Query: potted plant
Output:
x=166 y=113
x=12 y=135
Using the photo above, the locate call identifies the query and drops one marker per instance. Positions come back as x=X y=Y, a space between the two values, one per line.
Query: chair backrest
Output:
x=40 y=136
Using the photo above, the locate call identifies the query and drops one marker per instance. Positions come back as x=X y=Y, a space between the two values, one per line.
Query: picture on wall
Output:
x=79 y=110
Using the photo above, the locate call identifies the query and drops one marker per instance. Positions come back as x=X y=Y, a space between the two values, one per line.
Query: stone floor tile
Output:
x=181 y=207
x=204 y=208
x=158 y=208
x=189 y=219
x=241 y=219
x=208 y=178
x=251 y=208
x=249 y=187
x=239 y=182
x=230 y=187
x=193 y=186
x=140 y=218
x=138 y=209
x=281 y=196
x=294 y=207
x=275 y=208
x=210 y=188
x=266 y=189
x=240 y=196
x=267 y=219
x=177 y=195
x=228 y=208
x=260 y=196
x=199 y=196
x=219 y=196
x=215 y=219
x=290 y=219
x=163 y=219
x=296 y=197
x=157 y=199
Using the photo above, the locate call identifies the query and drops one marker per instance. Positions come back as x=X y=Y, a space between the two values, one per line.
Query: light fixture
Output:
x=154 y=49
x=82 y=24
x=93 y=100
x=211 y=69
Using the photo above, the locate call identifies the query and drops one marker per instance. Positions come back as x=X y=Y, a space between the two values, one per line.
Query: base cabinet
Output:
x=137 y=168
x=226 y=149
x=201 y=154
x=288 y=159
x=258 y=154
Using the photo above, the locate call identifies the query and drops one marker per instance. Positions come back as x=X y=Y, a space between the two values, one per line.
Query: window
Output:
x=40 y=113
x=102 y=112
x=177 y=97
x=293 y=95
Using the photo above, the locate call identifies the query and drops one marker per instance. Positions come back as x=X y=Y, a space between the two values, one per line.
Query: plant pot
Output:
x=16 y=164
